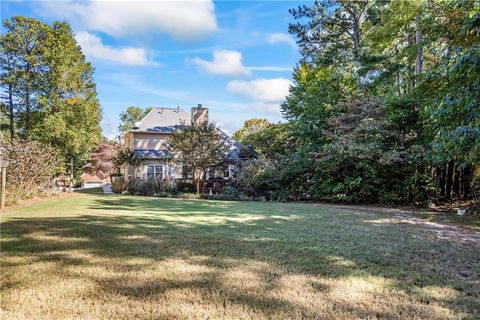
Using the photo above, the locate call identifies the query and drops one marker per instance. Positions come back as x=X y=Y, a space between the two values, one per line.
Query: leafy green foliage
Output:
x=124 y=158
x=454 y=112
x=197 y=148
x=249 y=127
x=51 y=96
x=185 y=187
x=130 y=116
x=274 y=139
x=228 y=193
x=384 y=106
x=150 y=188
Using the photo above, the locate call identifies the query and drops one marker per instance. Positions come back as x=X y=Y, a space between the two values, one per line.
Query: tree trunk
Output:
x=198 y=186
x=467 y=180
x=71 y=172
x=410 y=68
x=442 y=179
x=449 y=180
x=419 y=44
x=27 y=98
x=399 y=88
x=357 y=49
x=10 y=102
x=456 y=182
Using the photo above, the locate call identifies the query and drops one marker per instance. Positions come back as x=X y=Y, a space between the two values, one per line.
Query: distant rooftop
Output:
x=163 y=120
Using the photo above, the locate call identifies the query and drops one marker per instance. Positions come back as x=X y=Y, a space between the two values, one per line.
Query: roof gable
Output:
x=163 y=120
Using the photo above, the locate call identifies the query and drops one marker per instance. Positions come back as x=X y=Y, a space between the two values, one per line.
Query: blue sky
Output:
x=234 y=57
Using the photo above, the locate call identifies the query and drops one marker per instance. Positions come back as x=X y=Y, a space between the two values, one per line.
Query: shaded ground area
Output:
x=463 y=229
x=101 y=256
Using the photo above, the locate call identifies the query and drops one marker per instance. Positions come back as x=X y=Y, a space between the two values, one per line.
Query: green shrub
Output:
x=186 y=187
x=150 y=188
x=228 y=193
x=231 y=192
x=189 y=195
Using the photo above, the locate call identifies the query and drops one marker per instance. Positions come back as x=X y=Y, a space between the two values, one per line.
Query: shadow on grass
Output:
x=93 y=191
x=217 y=237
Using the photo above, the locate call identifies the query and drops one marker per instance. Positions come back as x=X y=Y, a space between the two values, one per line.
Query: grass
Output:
x=471 y=223
x=94 y=256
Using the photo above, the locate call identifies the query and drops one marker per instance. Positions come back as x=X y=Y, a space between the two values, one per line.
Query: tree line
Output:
x=48 y=93
x=50 y=115
x=384 y=106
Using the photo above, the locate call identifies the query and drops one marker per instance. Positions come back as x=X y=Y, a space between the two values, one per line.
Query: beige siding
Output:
x=128 y=140
x=174 y=173
x=149 y=141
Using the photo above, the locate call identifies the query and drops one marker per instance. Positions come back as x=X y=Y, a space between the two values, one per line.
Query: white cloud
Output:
x=261 y=90
x=225 y=62
x=274 y=38
x=93 y=48
x=180 y=19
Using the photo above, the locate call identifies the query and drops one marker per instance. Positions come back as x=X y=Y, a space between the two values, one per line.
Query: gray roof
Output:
x=234 y=152
x=163 y=120
x=152 y=154
x=167 y=120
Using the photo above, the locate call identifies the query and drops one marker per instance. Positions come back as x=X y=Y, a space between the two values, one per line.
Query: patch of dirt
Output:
x=472 y=207
x=441 y=230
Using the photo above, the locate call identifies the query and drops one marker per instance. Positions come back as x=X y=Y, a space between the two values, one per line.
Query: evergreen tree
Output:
x=51 y=96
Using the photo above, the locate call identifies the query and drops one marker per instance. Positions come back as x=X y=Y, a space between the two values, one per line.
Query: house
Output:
x=148 y=139
x=90 y=180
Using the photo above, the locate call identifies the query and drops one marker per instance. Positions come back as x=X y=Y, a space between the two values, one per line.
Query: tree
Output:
x=130 y=116
x=51 y=96
x=332 y=34
x=31 y=165
x=420 y=60
x=271 y=142
x=250 y=126
x=197 y=148
x=103 y=158
x=8 y=83
x=313 y=95
x=125 y=157
x=24 y=46
x=70 y=96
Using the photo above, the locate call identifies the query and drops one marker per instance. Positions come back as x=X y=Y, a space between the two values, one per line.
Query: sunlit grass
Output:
x=92 y=256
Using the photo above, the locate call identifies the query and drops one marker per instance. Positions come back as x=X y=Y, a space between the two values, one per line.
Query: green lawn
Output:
x=93 y=256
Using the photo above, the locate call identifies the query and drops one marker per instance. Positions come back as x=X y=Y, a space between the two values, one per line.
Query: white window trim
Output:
x=231 y=170
x=154 y=165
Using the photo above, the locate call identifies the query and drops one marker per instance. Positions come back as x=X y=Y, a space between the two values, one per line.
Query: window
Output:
x=171 y=172
x=211 y=173
x=230 y=172
x=154 y=171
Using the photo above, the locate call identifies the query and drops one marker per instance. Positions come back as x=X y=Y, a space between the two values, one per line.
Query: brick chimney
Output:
x=199 y=115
